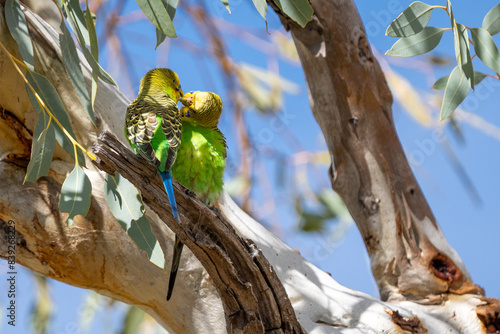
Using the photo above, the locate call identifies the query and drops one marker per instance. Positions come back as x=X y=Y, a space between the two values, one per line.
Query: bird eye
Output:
x=173 y=80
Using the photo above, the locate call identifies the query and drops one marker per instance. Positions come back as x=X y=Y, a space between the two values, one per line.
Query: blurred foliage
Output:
x=264 y=88
x=41 y=312
x=328 y=205
x=133 y=320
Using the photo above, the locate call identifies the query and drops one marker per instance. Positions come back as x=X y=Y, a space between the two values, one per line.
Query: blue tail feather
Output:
x=167 y=182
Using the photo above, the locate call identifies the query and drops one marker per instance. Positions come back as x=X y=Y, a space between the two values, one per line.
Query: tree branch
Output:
x=253 y=297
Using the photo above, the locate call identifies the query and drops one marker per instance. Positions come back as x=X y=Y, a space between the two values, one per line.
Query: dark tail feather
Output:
x=167 y=182
x=175 y=266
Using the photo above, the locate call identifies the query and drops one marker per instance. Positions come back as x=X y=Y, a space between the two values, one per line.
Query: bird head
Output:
x=162 y=79
x=205 y=108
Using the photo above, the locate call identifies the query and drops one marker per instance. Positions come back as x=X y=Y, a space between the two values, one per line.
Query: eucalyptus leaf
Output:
x=76 y=18
x=298 y=10
x=52 y=101
x=226 y=4
x=77 y=21
x=72 y=64
x=491 y=21
x=160 y=37
x=158 y=15
x=171 y=6
x=76 y=193
x=96 y=67
x=457 y=88
x=418 y=44
x=94 y=50
x=261 y=6
x=16 y=21
x=485 y=48
x=42 y=149
x=125 y=202
x=440 y=84
x=411 y=21
x=464 y=59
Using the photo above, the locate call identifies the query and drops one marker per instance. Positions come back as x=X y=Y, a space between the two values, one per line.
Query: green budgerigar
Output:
x=153 y=124
x=201 y=158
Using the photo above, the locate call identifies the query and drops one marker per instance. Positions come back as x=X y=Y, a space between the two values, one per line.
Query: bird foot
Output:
x=190 y=193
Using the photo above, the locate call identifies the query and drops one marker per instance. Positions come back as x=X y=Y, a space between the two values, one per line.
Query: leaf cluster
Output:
x=416 y=38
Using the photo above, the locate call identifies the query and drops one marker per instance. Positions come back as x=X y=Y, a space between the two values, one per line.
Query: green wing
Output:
x=154 y=129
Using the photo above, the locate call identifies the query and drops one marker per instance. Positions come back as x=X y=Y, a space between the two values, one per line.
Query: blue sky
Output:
x=471 y=228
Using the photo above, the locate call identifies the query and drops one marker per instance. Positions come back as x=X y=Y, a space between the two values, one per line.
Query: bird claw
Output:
x=190 y=193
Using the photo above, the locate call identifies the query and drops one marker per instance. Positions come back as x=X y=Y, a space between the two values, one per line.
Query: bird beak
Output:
x=187 y=100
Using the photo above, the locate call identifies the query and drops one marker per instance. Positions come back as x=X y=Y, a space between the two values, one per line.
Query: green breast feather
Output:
x=201 y=161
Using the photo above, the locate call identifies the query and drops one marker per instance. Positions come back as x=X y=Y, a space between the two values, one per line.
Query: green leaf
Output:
x=133 y=320
x=333 y=204
x=125 y=202
x=76 y=192
x=485 y=48
x=308 y=221
x=456 y=90
x=462 y=52
x=74 y=14
x=171 y=6
x=491 y=21
x=94 y=64
x=156 y=12
x=298 y=10
x=440 y=84
x=226 y=4
x=418 y=44
x=42 y=149
x=411 y=21
x=72 y=64
x=76 y=19
x=42 y=310
x=50 y=98
x=94 y=50
x=160 y=37
x=261 y=6
x=461 y=44
x=16 y=21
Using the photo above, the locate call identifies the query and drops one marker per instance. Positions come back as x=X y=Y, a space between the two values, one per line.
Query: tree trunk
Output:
x=424 y=283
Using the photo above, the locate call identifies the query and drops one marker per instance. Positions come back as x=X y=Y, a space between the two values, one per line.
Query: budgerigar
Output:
x=201 y=157
x=153 y=124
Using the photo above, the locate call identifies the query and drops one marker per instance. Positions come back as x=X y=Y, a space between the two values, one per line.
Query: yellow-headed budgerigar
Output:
x=153 y=124
x=201 y=157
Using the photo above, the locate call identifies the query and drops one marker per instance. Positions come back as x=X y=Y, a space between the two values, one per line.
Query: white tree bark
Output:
x=95 y=253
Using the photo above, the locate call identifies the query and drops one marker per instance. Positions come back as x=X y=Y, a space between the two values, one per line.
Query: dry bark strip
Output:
x=253 y=297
